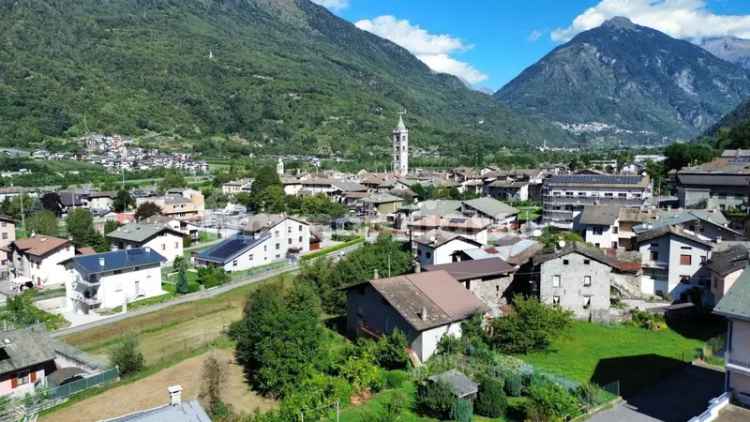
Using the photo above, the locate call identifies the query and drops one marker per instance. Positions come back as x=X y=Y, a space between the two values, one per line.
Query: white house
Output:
x=437 y=247
x=290 y=236
x=424 y=306
x=110 y=279
x=673 y=260
x=239 y=253
x=161 y=238
x=735 y=307
x=37 y=260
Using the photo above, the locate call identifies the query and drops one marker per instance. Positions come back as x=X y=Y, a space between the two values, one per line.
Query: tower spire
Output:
x=401 y=147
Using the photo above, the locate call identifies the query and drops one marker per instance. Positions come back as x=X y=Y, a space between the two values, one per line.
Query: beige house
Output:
x=188 y=203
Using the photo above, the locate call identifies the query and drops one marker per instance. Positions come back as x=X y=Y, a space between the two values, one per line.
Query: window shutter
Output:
x=14 y=382
x=33 y=377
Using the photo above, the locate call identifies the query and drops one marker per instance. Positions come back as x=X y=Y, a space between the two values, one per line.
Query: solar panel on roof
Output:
x=597 y=179
x=228 y=249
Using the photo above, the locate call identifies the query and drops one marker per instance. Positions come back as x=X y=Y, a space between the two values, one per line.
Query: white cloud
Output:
x=535 y=35
x=686 y=19
x=334 y=5
x=434 y=50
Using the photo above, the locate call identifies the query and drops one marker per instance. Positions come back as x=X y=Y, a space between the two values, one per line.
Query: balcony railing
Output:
x=738 y=362
x=588 y=200
x=87 y=300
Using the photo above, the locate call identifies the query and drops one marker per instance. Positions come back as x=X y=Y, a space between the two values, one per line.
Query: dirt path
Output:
x=151 y=392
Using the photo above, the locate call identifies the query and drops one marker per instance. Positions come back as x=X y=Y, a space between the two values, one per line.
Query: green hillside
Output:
x=282 y=75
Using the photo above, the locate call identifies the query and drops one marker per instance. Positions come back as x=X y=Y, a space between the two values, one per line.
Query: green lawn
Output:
x=606 y=353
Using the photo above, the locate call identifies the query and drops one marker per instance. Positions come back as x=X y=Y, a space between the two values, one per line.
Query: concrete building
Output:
x=381 y=204
x=290 y=236
x=424 y=306
x=240 y=253
x=474 y=228
x=488 y=279
x=187 y=203
x=167 y=241
x=564 y=197
x=735 y=307
x=673 y=261
x=437 y=247
x=579 y=278
x=726 y=266
x=400 y=140
x=38 y=261
x=501 y=214
x=111 y=279
x=723 y=183
x=7 y=236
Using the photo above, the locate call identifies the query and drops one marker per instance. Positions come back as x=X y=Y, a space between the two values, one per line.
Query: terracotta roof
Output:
x=480 y=268
x=429 y=299
x=40 y=245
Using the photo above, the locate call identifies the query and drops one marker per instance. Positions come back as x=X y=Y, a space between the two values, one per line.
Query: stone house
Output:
x=489 y=279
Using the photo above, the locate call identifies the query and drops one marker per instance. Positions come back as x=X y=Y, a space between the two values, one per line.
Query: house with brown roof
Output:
x=37 y=261
x=489 y=279
x=424 y=306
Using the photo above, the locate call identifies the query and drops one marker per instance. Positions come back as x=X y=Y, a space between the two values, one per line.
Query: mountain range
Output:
x=625 y=81
x=272 y=75
x=732 y=49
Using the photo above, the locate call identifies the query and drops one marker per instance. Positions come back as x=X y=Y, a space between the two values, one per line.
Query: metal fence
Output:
x=71 y=388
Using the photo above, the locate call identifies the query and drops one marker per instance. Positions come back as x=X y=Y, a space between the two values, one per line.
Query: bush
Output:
x=548 y=400
x=491 y=401
x=391 y=351
x=391 y=410
x=514 y=385
x=462 y=411
x=395 y=379
x=127 y=357
x=530 y=327
x=435 y=399
x=647 y=320
x=212 y=276
x=362 y=374
x=589 y=395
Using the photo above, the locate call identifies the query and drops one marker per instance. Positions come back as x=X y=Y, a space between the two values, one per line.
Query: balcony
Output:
x=736 y=363
x=91 y=301
x=590 y=200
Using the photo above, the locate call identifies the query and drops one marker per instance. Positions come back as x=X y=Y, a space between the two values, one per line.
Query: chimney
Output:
x=423 y=314
x=101 y=261
x=175 y=395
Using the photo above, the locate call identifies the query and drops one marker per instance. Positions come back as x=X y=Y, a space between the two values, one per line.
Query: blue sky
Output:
x=488 y=42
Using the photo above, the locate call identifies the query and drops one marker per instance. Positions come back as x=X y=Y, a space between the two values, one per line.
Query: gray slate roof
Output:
x=590 y=252
x=600 y=215
x=140 y=232
x=736 y=303
x=461 y=385
x=474 y=269
x=658 y=232
x=187 y=411
x=491 y=207
x=729 y=260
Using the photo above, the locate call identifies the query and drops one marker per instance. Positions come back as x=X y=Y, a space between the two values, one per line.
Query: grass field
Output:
x=171 y=331
x=603 y=354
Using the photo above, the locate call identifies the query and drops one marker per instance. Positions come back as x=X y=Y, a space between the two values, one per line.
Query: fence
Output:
x=71 y=388
x=715 y=407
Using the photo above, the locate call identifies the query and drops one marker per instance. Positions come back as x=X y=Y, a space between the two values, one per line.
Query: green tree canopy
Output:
x=43 y=222
x=172 y=180
x=123 y=201
x=531 y=326
x=146 y=210
x=80 y=226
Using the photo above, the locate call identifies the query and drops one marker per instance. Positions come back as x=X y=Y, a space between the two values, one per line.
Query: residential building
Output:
x=511 y=249
x=489 y=279
x=424 y=306
x=176 y=410
x=735 y=307
x=673 y=261
x=240 y=253
x=237 y=186
x=514 y=184
x=167 y=241
x=100 y=200
x=7 y=236
x=723 y=183
x=709 y=223
x=501 y=214
x=111 y=279
x=382 y=204
x=474 y=228
x=599 y=225
x=437 y=247
x=37 y=260
x=290 y=236
x=33 y=360
x=726 y=265
x=186 y=203
x=580 y=278
x=564 y=197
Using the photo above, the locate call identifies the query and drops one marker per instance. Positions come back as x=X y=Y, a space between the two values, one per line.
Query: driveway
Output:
x=676 y=398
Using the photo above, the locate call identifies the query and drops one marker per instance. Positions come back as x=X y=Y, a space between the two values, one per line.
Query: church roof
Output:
x=401 y=125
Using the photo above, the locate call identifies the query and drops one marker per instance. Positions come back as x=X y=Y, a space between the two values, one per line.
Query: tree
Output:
x=491 y=401
x=80 y=226
x=212 y=276
x=214 y=376
x=123 y=201
x=681 y=155
x=435 y=399
x=172 y=180
x=43 y=223
x=146 y=210
x=180 y=265
x=279 y=337
x=391 y=352
x=110 y=226
x=127 y=356
x=531 y=326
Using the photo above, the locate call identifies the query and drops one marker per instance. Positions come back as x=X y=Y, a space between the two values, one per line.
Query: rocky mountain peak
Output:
x=619 y=22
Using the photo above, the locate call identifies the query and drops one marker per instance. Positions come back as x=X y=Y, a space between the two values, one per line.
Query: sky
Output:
x=489 y=42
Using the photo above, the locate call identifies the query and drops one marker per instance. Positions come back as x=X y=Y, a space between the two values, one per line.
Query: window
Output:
x=23 y=378
x=686 y=248
x=586 y=302
x=566 y=262
x=556 y=300
x=555 y=281
x=177 y=245
x=289 y=229
x=5 y=236
x=234 y=263
x=164 y=246
x=685 y=279
x=276 y=233
x=568 y=193
x=250 y=257
x=289 y=241
x=609 y=195
x=686 y=259
x=278 y=246
x=622 y=195
x=428 y=255
x=300 y=227
x=586 y=262
x=497 y=291
x=587 y=280
x=265 y=248
x=654 y=256
x=703 y=260
x=300 y=239
x=615 y=230
x=598 y=230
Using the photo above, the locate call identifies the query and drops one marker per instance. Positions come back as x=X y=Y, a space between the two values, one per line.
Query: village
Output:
x=596 y=248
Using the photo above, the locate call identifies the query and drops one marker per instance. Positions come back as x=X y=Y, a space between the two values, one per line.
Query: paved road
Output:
x=676 y=398
x=192 y=297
